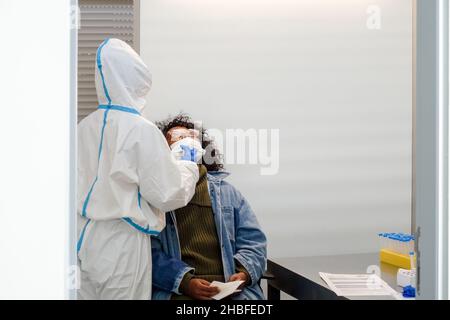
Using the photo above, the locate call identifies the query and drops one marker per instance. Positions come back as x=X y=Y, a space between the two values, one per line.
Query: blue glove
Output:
x=189 y=154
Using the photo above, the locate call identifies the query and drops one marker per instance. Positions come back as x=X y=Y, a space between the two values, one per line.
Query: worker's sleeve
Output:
x=251 y=251
x=166 y=183
x=168 y=273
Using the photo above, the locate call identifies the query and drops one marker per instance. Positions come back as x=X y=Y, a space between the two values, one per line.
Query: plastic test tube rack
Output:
x=395 y=249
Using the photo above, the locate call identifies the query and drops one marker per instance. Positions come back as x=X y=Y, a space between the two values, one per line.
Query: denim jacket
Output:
x=240 y=239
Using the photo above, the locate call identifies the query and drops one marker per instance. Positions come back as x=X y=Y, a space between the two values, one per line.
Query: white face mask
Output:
x=191 y=143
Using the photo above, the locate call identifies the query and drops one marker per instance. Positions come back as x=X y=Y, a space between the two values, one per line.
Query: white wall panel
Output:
x=339 y=92
x=34 y=142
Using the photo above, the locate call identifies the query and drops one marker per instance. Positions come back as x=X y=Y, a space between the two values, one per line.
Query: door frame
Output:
x=430 y=164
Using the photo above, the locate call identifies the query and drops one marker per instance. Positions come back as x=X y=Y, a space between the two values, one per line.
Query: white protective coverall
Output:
x=127 y=178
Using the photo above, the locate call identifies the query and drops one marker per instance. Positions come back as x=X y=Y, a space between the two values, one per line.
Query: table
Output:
x=299 y=277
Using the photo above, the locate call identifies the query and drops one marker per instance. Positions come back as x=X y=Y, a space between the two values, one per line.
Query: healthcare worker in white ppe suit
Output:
x=127 y=179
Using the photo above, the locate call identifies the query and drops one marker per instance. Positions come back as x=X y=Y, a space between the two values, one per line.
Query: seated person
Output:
x=216 y=237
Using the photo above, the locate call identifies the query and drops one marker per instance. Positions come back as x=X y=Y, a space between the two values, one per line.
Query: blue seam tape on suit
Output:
x=139 y=198
x=146 y=230
x=100 y=69
x=119 y=108
x=80 y=241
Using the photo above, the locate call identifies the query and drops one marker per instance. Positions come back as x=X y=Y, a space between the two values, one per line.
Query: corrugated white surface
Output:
x=100 y=19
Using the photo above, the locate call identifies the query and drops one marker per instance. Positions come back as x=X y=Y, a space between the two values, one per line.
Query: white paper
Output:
x=348 y=285
x=225 y=289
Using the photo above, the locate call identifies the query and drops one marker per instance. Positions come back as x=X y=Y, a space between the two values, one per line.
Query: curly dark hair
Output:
x=214 y=161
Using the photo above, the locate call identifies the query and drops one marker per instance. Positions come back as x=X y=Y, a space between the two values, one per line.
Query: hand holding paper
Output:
x=225 y=289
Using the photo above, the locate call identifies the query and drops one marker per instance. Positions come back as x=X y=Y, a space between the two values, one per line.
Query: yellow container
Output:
x=395 y=259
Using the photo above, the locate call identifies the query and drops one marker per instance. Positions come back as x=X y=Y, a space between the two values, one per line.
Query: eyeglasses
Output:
x=181 y=133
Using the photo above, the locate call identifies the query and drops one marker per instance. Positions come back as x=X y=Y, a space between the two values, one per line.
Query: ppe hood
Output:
x=121 y=77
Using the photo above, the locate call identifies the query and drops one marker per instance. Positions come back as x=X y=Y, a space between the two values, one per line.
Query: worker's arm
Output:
x=166 y=183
